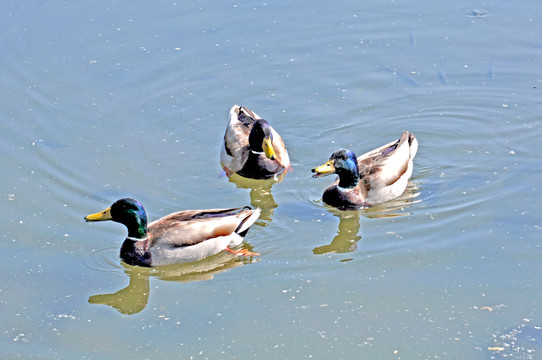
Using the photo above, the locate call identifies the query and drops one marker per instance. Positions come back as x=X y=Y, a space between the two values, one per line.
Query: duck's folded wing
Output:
x=190 y=227
x=369 y=156
x=385 y=165
x=280 y=150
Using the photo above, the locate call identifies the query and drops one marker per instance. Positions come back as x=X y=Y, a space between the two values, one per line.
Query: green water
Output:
x=106 y=100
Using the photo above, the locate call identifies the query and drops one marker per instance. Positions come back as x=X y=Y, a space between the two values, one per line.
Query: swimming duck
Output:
x=374 y=177
x=251 y=147
x=183 y=236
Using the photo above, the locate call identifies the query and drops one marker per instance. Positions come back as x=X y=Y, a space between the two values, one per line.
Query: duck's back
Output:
x=385 y=171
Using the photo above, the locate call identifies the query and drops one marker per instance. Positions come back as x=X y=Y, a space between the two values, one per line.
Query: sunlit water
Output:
x=102 y=101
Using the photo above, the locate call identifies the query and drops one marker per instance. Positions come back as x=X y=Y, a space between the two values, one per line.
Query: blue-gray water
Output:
x=102 y=100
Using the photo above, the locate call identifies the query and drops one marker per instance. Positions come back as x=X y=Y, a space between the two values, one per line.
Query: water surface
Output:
x=102 y=101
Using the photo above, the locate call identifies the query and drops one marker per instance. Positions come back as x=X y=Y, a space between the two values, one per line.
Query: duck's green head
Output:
x=126 y=211
x=343 y=163
x=260 y=139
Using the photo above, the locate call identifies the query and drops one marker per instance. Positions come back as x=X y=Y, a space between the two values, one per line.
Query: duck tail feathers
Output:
x=413 y=143
x=247 y=222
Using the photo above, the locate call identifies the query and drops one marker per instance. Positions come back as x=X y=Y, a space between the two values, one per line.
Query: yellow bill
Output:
x=268 y=149
x=323 y=170
x=101 y=216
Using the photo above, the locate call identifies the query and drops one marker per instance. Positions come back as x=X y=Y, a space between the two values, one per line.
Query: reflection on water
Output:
x=105 y=259
x=130 y=300
x=134 y=298
x=348 y=233
x=395 y=207
x=260 y=193
x=123 y=99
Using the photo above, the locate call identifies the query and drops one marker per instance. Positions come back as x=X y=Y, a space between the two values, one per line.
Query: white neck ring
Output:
x=136 y=239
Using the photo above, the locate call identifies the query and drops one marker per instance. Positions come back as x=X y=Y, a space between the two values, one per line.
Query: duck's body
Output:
x=374 y=177
x=251 y=147
x=183 y=236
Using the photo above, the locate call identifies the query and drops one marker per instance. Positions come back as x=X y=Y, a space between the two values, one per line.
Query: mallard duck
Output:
x=374 y=177
x=251 y=147
x=183 y=236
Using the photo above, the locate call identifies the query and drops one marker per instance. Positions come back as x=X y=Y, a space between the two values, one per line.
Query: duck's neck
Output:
x=255 y=145
x=257 y=167
x=256 y=136
x=144 y=238
x=137 y=231
x=348 y=178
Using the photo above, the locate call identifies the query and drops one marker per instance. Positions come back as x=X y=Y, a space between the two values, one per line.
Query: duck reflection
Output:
x=347 y=235
x=349 y=221
x=134 y=297
x=395 y=207
x=260 y=193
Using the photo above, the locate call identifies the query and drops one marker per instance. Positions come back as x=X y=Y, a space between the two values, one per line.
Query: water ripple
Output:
x=105 y=259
